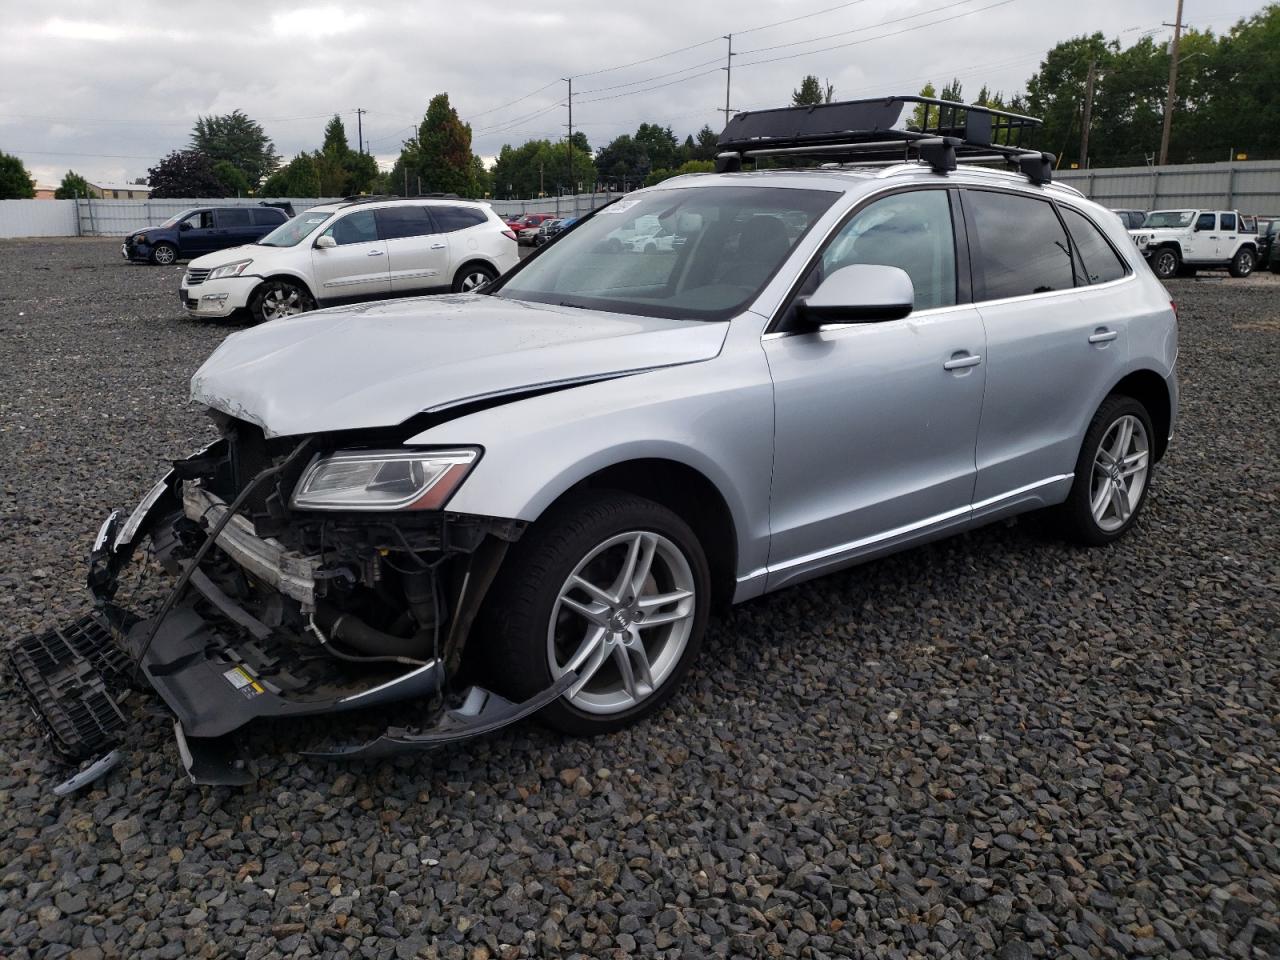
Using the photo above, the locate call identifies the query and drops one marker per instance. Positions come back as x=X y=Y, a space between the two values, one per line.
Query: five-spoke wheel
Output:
x=1113 y=473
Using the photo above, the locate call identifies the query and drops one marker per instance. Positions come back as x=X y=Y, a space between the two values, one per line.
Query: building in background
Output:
x=44 y=191
x=119 y=191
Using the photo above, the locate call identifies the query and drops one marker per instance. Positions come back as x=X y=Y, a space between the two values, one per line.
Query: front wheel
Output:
x=1165 y=263
x=1112 y=473
x=276 y=299
x=611 y=586
x=164 y=254
x=472 y=277
x=1242 y=262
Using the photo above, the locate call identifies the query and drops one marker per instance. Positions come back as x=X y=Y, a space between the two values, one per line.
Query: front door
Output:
x=1202 y=245
x=875 y=423
x=416 y=250
x=197 y=234
x=355 y=269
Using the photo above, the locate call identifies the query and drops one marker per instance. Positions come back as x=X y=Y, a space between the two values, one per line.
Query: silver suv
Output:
x=532 y=498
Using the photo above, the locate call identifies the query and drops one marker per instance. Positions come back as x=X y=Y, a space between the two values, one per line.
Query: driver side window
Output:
x=358 y=227
x=911 y=231
x=1205 y=221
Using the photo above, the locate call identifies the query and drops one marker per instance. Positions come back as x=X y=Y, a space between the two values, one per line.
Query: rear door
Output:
x=1228 y=235
x=233 y=226
x=355 y=269
x=418 y=254
x=458 y=225
x=1051 y=348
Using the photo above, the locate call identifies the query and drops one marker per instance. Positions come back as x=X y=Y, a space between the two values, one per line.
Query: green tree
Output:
x=15 y=182
x=812 y=93
x=73 y=185
x=335 y=137
x=235 y=138
x=691 y=166
x=439 y=155
x=918 y=115
x=623 y=163
x=234 y=183
x=707 y=141
x=659 y=144
x=300 y=177
x=184 y=173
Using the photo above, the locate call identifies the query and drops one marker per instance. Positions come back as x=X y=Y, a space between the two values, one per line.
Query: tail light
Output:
x=1174 y=307
x=509 y=233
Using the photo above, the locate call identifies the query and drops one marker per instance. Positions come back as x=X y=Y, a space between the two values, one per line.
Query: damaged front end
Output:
x=312 y=576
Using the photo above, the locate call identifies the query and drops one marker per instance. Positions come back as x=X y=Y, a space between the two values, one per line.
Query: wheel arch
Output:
x=474 y=261
x=1149 y=388
x=688 y=493
x=286 y=276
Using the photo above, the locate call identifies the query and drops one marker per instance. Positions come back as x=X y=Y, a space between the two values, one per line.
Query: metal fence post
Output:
x=1231 y=186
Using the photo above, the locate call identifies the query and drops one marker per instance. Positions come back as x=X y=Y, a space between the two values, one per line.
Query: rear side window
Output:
x=233 y=218
x=1101 y=262
x=457 y=218
x=266 y=218
x=396 y=223
x=1228 y=221
x=907 y=230
x=1019 y=246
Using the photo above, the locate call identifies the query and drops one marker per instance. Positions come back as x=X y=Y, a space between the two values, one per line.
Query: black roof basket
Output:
x=872 y=131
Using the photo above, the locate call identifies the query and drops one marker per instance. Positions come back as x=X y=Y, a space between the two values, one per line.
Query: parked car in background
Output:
x=545 y=232
x=202 y=230
x=1132 y=219
x=529 y=225
x=1175 y=241
x=1268 y=254
x=364 y=249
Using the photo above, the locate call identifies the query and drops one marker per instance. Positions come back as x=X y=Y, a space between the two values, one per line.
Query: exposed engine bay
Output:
x=277 y=611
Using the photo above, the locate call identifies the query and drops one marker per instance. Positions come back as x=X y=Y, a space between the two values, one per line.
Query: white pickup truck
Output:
x=1180 y=241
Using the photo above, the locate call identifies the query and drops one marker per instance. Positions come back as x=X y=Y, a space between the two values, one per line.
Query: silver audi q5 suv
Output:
x=531 y=498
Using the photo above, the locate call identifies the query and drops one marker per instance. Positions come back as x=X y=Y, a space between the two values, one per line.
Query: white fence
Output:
x=1252 y=186
x=115 y=218
x=37 y=218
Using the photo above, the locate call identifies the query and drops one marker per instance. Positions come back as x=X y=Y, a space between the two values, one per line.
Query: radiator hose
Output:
x=355 y=633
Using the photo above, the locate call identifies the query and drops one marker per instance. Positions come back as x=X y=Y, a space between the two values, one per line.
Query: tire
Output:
x=535 y=614
x=1243 y=262
x=277 y=299
x=472 y=277
x=1166 y=262
x=164 y=254
x=1091 y=515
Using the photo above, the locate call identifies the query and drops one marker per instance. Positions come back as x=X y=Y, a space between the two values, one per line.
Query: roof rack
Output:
x=381 y=197
x=872 y=131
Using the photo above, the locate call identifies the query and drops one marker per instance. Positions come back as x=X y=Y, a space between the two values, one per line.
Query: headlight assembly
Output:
x=383 y=479
x=140 y=238
x=228 y=270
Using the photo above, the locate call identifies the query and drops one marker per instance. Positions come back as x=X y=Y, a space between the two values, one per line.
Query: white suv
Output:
x=367 y=249
x=1180 y=241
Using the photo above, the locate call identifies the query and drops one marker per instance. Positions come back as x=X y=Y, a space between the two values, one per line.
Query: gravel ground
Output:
x=994 y=746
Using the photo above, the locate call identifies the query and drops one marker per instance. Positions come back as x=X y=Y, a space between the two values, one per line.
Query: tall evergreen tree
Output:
x=235 y=138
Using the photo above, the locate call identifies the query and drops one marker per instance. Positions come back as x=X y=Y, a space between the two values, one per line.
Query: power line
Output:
x=870 y=26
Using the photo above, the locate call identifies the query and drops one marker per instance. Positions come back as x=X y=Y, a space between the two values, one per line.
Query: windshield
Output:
x=177 y=218
x=699 y=253
x=292 y=232
x=1169 y=218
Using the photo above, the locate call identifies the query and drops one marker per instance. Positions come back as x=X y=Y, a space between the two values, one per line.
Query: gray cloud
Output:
x=109 y=93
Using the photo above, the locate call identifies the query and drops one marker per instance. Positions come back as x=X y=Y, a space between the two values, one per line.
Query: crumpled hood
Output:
x=377 y=364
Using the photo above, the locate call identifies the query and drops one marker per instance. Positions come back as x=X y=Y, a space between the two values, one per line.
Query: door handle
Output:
x=437 y=246
x=1103 y=336
x=959 y=363
x=375 y=253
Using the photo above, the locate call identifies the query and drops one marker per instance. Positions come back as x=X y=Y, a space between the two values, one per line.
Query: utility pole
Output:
x=360 y=112
x=1088 y=114
x=569 y=80
x=728 y=73
x=1173 y=86
x=542 y=186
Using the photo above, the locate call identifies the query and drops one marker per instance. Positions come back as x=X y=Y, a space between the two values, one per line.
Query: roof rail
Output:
x=380 y=198
x=873 y=130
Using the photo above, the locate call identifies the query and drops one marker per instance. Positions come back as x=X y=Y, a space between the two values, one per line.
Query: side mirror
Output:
x=860 y=293
x=325 y=242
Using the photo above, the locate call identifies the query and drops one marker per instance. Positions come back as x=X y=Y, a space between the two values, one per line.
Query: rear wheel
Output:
x=1242 y=263
x=276 y=299
x=1112 y=473
x=472 y=277
x=164 y=254
x=1165 y=263
x=611 y=586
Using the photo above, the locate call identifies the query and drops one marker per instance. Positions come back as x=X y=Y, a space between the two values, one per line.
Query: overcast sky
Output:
x=109 y=93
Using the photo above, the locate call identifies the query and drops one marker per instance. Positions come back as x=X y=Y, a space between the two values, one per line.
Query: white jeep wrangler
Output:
x=1175 y=241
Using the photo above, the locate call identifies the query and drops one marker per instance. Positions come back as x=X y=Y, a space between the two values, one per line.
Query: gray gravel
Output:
x=995 y=746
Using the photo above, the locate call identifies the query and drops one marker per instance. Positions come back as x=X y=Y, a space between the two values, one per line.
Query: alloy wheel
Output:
x=1166 y=264
x=164 y=256
x=474 y=280
x=1120 y=469
x=622 y=620
x=281 y=302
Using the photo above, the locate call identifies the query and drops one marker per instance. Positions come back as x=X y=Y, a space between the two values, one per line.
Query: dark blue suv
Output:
x=202 y=230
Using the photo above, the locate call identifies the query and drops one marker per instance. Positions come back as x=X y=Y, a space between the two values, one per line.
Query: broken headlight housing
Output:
x=383 y=479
